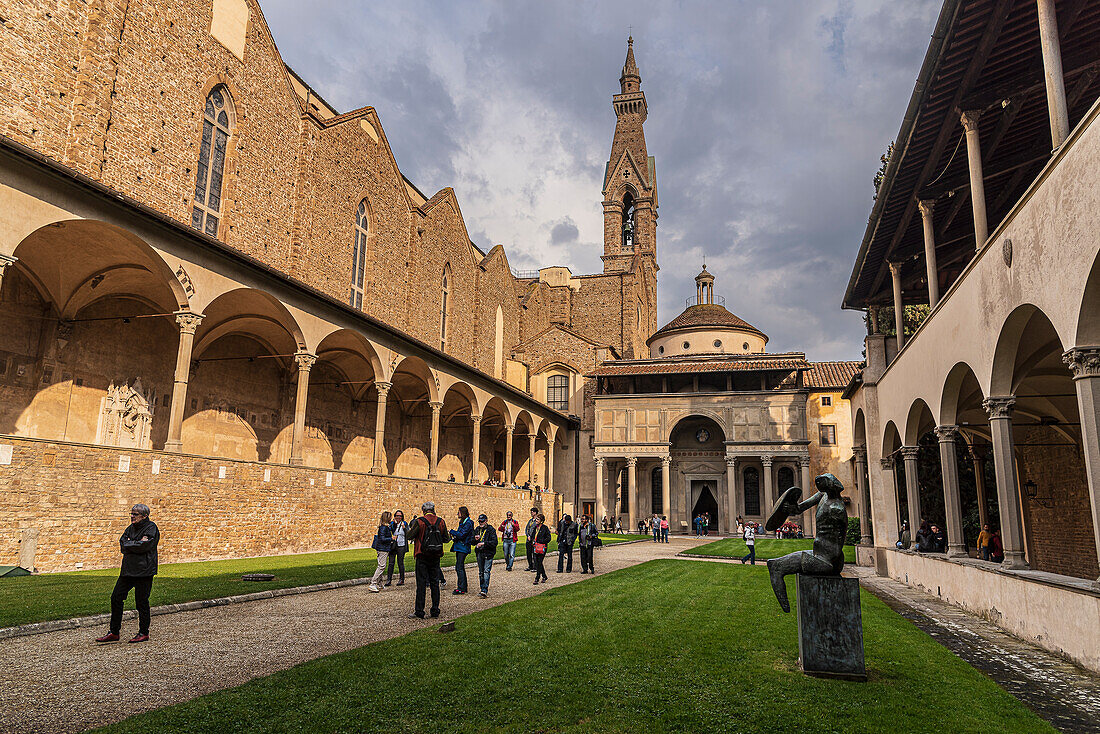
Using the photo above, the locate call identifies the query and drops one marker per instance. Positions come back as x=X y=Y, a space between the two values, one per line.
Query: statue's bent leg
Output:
x=778 y=568
x=814 y=565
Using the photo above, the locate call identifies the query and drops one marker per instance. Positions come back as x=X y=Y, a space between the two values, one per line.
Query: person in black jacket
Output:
x=540 y=540
x=139 y=565
x=485 y=549
x=567 y=536
x=587 y=535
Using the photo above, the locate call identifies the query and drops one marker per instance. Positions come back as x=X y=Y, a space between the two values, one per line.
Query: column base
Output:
x=865 y=540
x=1015 y=562
x=296 y=461
x=432 y=475
x=957 y=551
x=175 y=447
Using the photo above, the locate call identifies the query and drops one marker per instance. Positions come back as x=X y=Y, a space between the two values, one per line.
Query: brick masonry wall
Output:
x=78 y=500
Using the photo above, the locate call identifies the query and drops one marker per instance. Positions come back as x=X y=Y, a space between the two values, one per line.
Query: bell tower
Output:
x=630 y=179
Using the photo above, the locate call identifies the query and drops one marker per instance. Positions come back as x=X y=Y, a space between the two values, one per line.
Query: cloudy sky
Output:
x=766 y=119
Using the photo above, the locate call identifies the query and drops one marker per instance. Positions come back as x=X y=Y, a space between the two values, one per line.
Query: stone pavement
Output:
x=62 y=682
x=1064 y=694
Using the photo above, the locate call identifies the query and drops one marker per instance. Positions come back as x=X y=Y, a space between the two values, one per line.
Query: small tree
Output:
x=884 y=159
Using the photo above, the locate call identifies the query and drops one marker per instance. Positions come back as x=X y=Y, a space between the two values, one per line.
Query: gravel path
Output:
x=63 y=682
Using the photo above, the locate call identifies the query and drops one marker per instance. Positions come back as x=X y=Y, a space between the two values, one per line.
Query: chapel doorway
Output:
x=706 y=503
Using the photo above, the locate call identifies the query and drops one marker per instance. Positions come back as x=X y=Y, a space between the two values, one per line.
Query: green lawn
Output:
x=765 y=548
x=667 y=646
x=25 y=599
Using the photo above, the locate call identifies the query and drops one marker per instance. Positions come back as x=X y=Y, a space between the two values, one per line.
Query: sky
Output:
x=766 y=119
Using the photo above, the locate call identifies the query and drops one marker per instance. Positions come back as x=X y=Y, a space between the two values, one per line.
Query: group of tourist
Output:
x=701 y=524
x=657 y=526
x=931 y=538
x=612 y=526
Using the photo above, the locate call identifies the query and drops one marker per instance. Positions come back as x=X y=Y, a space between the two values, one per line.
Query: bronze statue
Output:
x=827 y=557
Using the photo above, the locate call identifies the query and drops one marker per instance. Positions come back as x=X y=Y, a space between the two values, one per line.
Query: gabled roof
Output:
x=830 y=375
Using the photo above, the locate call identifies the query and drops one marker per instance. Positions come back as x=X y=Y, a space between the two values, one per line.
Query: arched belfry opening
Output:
x=628 y=222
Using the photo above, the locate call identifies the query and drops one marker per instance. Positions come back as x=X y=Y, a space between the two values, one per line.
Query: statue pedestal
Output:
x=830 y=627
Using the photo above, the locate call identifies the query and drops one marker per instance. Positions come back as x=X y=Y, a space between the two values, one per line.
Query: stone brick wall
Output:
x=78 y=500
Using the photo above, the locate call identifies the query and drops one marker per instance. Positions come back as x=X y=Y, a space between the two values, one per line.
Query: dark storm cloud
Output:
x=766 y=121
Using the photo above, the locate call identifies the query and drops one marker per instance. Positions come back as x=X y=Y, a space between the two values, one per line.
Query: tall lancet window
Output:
x=628 y=221
x=359 y=257
x=217 y=128
x=445 y=298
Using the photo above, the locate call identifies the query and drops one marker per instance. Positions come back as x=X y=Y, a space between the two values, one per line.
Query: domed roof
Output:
x=707 y=315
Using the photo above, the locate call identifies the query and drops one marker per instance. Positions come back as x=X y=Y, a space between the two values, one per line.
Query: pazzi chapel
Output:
x=217 y=291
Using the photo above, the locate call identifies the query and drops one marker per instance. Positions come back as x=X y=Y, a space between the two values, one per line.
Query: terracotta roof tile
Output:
x=706 y=314
x=669 y=367
x=830 y=374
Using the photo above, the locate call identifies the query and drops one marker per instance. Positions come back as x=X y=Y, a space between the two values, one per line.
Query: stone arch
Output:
x=496 y=416
x=891 y=439
x=456 y=431
x=919 y=421
x=959 y=390
x=342 y=404
x=859 y=428
x=715 y=416
x=1088 y=316
x=1010 y=339
x=414 y=387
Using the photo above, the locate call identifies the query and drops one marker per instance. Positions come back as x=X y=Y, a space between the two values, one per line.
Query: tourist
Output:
x=664 y=529
x=138 y=544
x=641 y=527
x=605 y=523
x=588 y=536
x=539 y=541
x=996 y=548
x=451 y=478
x=529 y=533
x=904 y=539
x=509 y=532
x=618 y=525
x=939 y=540
x=462 y=538
x=567 y=536
x=400 y=530
x=706 y=523
x=428 y=534
x=750 y=543
x=485 y=549
x=383 y=544
x=984 y=538
x=924 y=538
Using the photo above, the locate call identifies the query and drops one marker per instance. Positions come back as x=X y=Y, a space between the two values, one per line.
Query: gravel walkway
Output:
x=63 y=682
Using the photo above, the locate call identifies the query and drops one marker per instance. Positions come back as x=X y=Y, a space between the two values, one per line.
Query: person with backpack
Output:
x=485 y=548
x=588 y=536
x=567 y=536
x=750 y=541
x=529 y=532
x=383 y=545
x=539 y=542
x=428 y=534
x=462 y=538
x=509 y=532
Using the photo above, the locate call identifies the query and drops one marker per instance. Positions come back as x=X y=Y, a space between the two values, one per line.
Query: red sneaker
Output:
x=139 y=637
x=109 y=637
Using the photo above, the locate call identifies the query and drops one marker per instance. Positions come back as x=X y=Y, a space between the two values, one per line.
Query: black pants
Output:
x=540 y=570
x=398 y=556
x=141 y=585
x=565 y=553
x=530 y=554
x=751 y=557
x=586 y=558
x=427 y=574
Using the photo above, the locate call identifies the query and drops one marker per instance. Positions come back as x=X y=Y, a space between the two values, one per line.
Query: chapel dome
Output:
x=706 y=327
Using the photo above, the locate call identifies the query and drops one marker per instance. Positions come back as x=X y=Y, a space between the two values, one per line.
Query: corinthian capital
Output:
x=887 y=462
x=188 y=321
x=910 y=452
x=860 y=452
x=1000 y=406
x=305 y=361
x=766 y=460
x=970 y=120
x=1083 y=361
x=926 y=206
x=946 y=434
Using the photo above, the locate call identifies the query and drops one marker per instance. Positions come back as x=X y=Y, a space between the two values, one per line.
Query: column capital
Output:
x=1083 y=362
x=435 y=405
x=766 y=460
x=305 y=361
x=731 y=461
x=803 y=461
x=926 y=207
x=895 y=268
x=667 y=460
x=476 y=419
x=969 y=120
x=632 y=461
x=947 y=433
x=510 y=428
x=910 y=452
x=860 y=453
x=999 y=407
x=382 y=387
x=599 y=462
x=188 y=320
x=887 y=463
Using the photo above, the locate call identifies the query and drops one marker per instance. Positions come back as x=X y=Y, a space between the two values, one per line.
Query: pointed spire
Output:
x=630 y=70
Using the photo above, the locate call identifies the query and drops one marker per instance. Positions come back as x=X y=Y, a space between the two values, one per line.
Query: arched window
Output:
x=752 y=491
x=498 y=346
x=217 y=128
x=557 y=392
x=359 y=256
x=445 y=297
x=628 y=221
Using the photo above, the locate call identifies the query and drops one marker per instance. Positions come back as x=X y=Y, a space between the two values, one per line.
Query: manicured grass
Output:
x=765 y=548
x=667 y=646
x=25 y=599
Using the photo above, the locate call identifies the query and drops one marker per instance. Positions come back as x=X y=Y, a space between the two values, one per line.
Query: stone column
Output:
x=1085 y=364
x=380 y=427
x=1052 y=72
x=926 y=207
x=977 y=457
x=631 y=477
x=1004 y=465
x=531 y=460
x=808 y=490
x=188 y=323
x=509 y=430
x=890 y=482
x=952 y=501
x=548 y=484
x=5 y=261
x=305 y=362
x=769 y=486
x=899 y=308
x=475 y=470
x=977 y=181
x=601 y=495
x=864 y=492
x=731 y=490
x=912 y=486
x=666 y=490
x=433 y=458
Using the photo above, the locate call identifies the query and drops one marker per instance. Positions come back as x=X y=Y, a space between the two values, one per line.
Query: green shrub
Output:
x=853 y=537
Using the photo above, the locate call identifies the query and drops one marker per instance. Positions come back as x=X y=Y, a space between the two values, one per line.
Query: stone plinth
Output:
x=830 y=627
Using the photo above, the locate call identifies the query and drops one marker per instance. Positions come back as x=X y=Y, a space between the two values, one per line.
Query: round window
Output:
x=660 y=350
x=717 y=343
x=687 y=345
x=745 y=346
